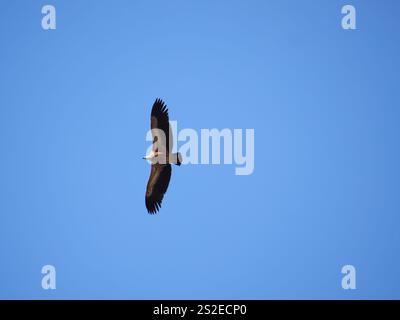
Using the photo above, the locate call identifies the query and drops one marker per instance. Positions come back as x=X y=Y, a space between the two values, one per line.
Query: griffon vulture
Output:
x=161 y=157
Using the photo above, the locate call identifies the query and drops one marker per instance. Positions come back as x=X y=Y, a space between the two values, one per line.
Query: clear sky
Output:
x=74 y=111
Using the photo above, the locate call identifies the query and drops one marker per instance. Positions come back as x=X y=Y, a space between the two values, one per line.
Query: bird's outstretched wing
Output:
x=160 y=120
x=157 y=186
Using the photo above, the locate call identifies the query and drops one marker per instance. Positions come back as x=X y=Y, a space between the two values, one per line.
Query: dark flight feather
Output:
x=157 y=186
x=160 y=120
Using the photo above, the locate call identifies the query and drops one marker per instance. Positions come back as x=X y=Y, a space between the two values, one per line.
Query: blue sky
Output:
x=74 y=112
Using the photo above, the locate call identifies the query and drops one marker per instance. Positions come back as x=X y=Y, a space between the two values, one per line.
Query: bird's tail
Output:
x=176 y=158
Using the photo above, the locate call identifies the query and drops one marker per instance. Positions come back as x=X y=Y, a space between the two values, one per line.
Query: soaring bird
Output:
x=161 y=157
